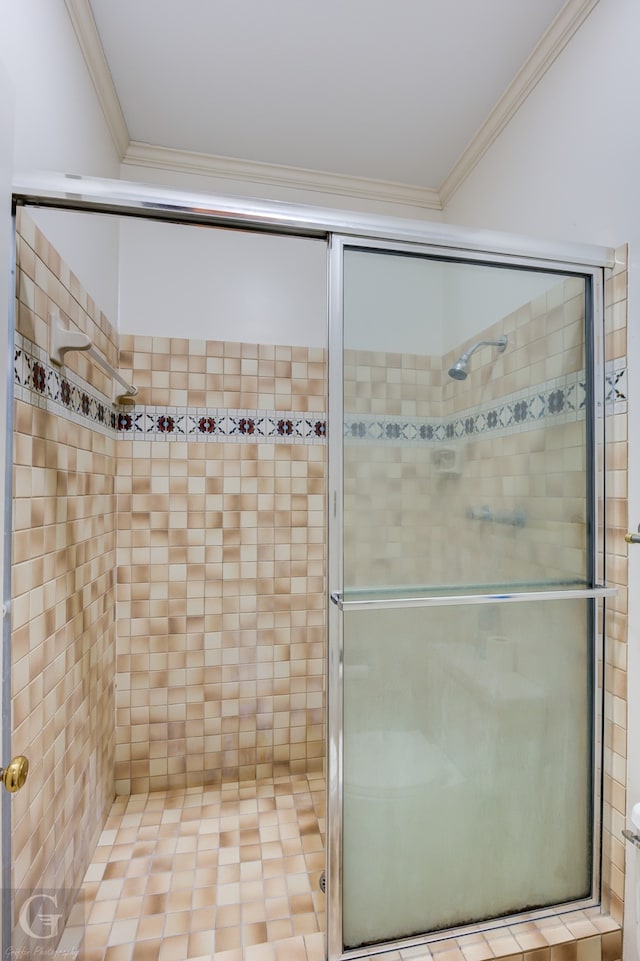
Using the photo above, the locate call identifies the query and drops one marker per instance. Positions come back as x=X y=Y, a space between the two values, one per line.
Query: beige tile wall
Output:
x=63 y=602
x=537 y=472
x=220 y=570
x=615 y=632
x=545 y=341
x=376 y=382
x=221 y=554
x=535 y=469
x=210 y=374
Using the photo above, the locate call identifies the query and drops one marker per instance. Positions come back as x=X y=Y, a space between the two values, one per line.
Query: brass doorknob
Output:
x=15 y=773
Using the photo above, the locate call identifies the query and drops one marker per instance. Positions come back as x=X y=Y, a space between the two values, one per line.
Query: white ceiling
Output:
x=402 y=91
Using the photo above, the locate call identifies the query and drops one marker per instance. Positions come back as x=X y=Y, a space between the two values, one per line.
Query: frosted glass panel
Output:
x=474 y=479
x=467 y=780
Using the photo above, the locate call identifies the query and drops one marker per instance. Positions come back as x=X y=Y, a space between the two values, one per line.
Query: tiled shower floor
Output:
x=232 y=874
x=183 y=875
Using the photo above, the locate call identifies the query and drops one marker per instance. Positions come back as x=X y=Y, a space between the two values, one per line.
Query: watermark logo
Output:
x=39 y=929
x=39 y=917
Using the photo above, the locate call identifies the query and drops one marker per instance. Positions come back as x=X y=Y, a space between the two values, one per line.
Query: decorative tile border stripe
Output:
x=217 y=424
x=615 y=379
x=557 y=401
x=38 y=382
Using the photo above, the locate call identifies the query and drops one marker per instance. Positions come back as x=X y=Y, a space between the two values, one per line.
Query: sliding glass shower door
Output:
x=463 y=579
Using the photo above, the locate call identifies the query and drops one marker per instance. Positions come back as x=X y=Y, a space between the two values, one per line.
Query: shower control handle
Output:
x=633 y=538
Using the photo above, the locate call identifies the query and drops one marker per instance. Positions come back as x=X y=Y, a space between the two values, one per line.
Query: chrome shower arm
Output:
x=459 y=370
x=500 y=343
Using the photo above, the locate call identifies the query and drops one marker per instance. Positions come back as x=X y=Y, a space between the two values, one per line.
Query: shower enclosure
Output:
x=463 y=574
x=466 y=566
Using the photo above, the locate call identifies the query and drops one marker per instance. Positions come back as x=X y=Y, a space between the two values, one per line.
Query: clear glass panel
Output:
x=462 y=466
x=467 y=775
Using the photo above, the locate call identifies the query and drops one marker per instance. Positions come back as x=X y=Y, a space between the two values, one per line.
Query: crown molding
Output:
x=551 y=44
x=553 y=41
x=81 y=17
x=317 y=181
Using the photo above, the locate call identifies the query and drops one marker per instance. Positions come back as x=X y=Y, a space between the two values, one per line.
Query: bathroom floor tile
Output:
x=209 y=871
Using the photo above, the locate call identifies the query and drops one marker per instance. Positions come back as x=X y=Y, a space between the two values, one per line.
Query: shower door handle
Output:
x=633 y=538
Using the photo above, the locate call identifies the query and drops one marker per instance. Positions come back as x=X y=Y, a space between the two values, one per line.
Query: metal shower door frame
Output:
x=596 y=593
x=339 y=228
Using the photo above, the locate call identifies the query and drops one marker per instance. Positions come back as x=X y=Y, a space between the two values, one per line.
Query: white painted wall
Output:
x=210 y=284
x=88 y=243
x=567 y=167
x=392 y=303
x=475 y=296
x=59 y=126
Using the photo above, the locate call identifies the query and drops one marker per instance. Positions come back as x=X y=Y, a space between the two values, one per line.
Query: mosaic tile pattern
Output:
x=575 y=936
x=63 y=598
x=221 y=612
x=386 y=383
x=185 y=875
x=221 y=568
x=183 y=373
x=233 y=874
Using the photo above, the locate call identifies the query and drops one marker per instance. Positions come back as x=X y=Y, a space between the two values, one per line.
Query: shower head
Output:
x=460 y=369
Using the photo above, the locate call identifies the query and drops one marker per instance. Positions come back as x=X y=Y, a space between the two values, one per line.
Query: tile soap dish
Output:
x=448 y=461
